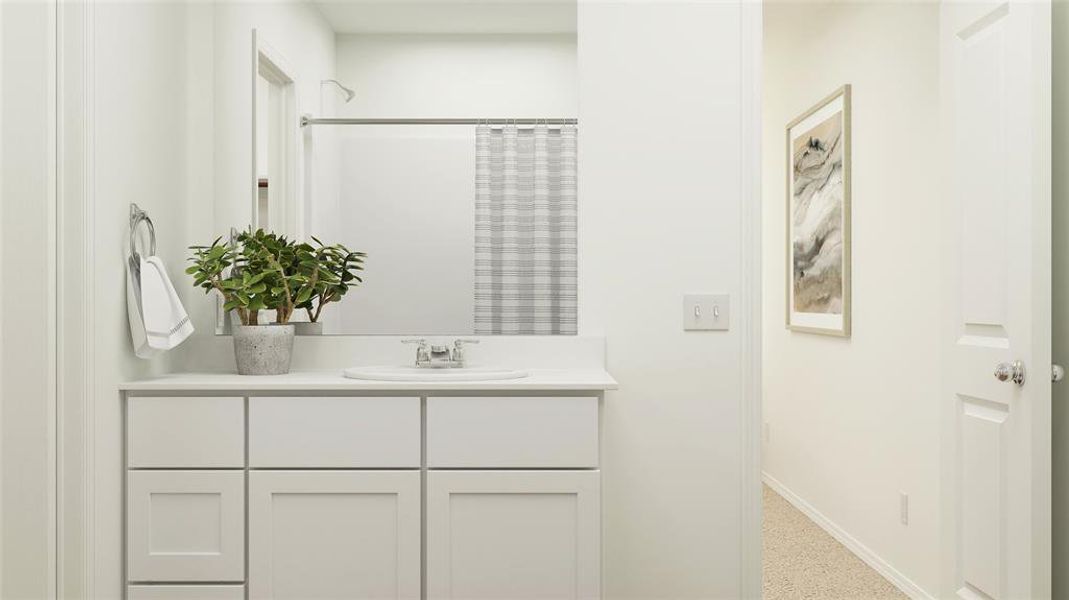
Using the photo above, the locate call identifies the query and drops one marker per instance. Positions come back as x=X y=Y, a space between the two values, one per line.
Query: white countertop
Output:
x=538 y=379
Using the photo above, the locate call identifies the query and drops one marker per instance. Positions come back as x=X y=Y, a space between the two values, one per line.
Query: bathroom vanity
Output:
x=312 y=485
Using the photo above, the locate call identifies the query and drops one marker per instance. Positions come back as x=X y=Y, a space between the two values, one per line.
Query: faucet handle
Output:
x=458 y=350
x=423 y=354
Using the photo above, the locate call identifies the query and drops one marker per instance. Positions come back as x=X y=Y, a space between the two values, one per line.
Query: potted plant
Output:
x=257 y=274
x=324 y=275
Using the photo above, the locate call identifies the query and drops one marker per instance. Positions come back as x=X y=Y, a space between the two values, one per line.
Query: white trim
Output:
x=881 y=566
x=750 y=300
x=267 y=60
x=74 y=307
x=2 y=204
x=51 y=325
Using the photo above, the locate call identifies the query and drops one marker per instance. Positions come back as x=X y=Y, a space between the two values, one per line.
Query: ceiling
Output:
x=449 y=16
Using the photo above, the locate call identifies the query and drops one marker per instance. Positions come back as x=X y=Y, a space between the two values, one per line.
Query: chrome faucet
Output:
x=458 y=351
x=423 y=352
x=439 y=356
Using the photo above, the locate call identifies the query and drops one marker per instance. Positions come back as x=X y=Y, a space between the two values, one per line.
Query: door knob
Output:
x=1010 y=372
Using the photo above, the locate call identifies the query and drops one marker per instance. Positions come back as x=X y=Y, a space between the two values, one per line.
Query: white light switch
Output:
x=706 y=312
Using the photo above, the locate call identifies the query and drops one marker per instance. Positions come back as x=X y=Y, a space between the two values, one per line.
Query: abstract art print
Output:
x=818 y=218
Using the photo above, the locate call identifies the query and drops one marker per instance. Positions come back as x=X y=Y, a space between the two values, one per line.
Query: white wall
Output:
x=27 y=329
x=139 y=141
x=458 y=75
x=1060 y=246
x=854 y=422
x=660 y=196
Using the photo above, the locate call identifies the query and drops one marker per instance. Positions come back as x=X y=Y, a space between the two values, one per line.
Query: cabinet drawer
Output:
x=334 y=432
x=185 y=526
x=185 y=432
x=185 y=592
x=512 y=432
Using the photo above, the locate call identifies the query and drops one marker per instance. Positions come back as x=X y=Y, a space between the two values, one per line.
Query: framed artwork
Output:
x=818 y=218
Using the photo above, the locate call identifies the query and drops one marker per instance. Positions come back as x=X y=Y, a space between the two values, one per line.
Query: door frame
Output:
x=269 y=63
x=751 y=25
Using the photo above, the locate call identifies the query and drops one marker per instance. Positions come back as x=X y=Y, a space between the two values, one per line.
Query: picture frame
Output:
x=818 y=218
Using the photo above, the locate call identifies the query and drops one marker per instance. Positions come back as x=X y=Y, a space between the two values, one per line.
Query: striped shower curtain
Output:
x=525 y=230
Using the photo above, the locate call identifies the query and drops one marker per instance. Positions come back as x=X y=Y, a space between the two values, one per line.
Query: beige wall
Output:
x=1060 y=243
x=854 y=422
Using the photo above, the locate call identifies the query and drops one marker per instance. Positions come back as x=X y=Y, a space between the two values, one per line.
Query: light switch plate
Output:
x=704 y=312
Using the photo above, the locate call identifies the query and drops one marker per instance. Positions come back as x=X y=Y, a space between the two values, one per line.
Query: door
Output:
x=996 y=505
x=506 y=535
x=185 y=526
x=334 y=534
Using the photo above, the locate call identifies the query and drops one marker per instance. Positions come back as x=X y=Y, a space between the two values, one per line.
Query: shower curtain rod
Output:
x=307 y=120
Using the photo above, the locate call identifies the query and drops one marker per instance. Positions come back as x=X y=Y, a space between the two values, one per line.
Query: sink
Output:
x=431 y=374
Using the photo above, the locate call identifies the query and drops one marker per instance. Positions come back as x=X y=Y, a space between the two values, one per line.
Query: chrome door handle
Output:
x=1010 y=372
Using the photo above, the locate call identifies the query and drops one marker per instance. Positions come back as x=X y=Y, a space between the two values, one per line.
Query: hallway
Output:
x=802 y=561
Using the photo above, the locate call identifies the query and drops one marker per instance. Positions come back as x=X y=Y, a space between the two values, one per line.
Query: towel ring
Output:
x=137 y=217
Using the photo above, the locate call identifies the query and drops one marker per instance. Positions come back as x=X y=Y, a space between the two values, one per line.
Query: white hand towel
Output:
x=133 y=311
x=166 y=323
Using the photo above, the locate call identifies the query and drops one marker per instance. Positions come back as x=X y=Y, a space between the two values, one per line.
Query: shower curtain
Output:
x=525 y=230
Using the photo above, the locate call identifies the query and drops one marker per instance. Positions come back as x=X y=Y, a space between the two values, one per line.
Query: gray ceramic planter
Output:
x=263 y=349
x=304 y=328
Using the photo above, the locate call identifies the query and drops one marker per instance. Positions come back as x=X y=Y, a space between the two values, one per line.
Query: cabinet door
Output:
x=503 y=535
x=334 y=534
x=185 y=526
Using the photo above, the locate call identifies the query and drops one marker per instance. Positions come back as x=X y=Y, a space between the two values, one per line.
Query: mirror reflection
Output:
x=438 y=138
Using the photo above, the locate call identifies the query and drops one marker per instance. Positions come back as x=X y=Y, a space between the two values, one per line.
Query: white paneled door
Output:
x=996 y=304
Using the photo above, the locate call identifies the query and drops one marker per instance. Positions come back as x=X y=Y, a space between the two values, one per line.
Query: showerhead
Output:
x=349 y=94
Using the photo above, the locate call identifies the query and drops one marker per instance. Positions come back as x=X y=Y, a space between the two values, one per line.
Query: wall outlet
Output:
x=766 y=432
x=903 y=507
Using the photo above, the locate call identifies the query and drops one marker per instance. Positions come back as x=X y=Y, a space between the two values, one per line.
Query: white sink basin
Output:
x=431 y=374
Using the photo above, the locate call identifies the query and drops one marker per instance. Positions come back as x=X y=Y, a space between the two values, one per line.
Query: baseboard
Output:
x=896 y=577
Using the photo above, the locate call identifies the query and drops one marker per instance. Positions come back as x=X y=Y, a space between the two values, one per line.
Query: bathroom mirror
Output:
x=438 y=137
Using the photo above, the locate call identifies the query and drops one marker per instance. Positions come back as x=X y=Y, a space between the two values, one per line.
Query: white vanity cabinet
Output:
x=301 y=487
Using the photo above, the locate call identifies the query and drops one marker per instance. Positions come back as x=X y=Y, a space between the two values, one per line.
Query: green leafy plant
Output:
x=266 y=271
x=325 y=274
x=276 y=257
x=243 y=290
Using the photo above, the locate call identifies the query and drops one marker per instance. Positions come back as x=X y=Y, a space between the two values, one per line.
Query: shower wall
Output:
x=408 y=200
x=458 y=75
x=405 y=194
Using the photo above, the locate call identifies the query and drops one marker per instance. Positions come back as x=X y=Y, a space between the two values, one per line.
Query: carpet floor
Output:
x=802 y=561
